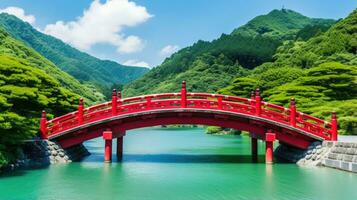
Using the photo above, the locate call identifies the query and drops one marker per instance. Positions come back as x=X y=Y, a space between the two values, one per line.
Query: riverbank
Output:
x=34 y=154
x=340 y=155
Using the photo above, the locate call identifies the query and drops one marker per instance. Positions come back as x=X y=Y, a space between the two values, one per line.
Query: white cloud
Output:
x=168 y=50
x=136 y=63
x=20 y=13
x=103 y=23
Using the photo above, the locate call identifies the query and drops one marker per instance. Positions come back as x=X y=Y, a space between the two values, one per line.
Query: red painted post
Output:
x=114 y=102
x=148 y=102
x=269 y=140
x=292 y=112
x=334 y=130
x=183 y=95
x=258 y=103
x=252 y=98
x=254 y=148
x=119 y=102
x=43 y=125
x=108 y=138
x=80 y=111
x=120 y=148
x=220 y=103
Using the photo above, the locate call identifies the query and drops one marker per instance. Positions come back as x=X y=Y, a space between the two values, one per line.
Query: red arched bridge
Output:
x=263 y=120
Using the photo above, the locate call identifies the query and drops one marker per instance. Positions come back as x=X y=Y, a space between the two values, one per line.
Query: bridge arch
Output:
x=246 y=114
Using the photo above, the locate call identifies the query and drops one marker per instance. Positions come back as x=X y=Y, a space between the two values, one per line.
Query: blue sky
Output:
x=144 y=32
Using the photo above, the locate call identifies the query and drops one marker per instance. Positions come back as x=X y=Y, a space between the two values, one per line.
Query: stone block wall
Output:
x=42 y=153
x=342 y=155
x=338 y=155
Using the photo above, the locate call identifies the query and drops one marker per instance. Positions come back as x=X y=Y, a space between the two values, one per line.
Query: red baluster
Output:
x=80 y=111
x=114 y=102
x=292 y=112
x=220 y=103
x=334 y=130
x=183 y=95
x=148 y=102
x=258 y=103
x=43 y=125
x=252 y=98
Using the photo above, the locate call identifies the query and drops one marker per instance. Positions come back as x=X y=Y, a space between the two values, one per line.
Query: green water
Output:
x=178 y=164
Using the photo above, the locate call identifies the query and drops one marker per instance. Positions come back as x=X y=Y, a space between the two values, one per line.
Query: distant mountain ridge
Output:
x=85 y=68
x=210 y=65
x=282 y=23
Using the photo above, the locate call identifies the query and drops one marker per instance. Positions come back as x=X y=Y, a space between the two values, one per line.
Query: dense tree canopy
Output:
x=248 y=46
x=24 y=92
x=14 y=48
x=321 y=73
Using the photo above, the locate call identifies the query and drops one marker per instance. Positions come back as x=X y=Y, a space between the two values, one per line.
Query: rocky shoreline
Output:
x=36 y=154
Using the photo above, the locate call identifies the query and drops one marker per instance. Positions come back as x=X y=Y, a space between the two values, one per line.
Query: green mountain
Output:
x=9 y=46
x=208 y=66
x=321 y=73
x=28 y=84
x=283 y=24
x=85 y=68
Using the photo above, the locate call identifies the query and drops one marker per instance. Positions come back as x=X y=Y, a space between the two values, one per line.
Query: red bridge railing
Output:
x=249 y=106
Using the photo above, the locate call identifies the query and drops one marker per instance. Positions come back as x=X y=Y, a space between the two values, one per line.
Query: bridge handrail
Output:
x=251 y=106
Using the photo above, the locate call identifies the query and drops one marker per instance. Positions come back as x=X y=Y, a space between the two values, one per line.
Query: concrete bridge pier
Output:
x=269 y=140
x=108 y=138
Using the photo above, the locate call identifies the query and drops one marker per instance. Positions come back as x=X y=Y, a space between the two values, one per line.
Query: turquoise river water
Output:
x=167 y=163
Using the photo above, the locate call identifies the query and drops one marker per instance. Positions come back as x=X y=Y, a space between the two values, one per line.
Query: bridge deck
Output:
x=212 y=105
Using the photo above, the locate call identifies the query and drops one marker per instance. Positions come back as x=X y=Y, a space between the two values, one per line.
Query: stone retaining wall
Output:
x=312 y=156
x=42 y=153
x=342 y=155
x=339 y=155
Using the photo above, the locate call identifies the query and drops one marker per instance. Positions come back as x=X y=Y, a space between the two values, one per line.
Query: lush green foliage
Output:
x=86 y=68
x=208 y=66
x=24 y=91
x=14 y=48
x=321 y=73
x=207 y=73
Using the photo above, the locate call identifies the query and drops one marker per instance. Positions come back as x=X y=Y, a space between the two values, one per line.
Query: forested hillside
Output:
x=28 y=84
x=208 y=66
x=321 y=73
x=87 y=69
x=14 y=48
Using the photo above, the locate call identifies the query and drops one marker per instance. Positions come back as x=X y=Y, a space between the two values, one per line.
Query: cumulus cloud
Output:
x=20 y=13
x=168 y=50
x=136 y=63
x=103 y=23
